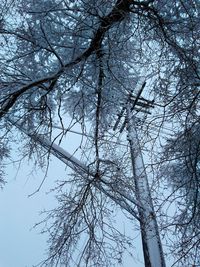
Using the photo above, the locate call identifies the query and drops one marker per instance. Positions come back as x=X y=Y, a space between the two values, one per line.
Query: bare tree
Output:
x=183 y=175
x=84 y=59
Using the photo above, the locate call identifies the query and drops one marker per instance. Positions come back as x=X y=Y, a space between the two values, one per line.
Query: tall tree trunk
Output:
x=152 y=247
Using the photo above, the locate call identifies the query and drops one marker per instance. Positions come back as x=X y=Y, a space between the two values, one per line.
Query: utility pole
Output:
x=152 y=246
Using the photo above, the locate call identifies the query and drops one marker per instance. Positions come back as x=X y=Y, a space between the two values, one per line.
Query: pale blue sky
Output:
x=20 y=245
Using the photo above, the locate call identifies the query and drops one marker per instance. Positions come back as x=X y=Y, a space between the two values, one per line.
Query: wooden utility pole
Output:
x=152 y=246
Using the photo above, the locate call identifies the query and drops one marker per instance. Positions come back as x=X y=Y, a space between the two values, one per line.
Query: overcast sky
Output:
x=20 y=245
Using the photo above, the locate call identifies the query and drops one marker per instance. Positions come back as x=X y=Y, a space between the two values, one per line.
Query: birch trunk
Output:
x=152 y=247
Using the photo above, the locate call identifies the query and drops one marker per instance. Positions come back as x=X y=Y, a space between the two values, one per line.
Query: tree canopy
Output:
x=69 y=64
